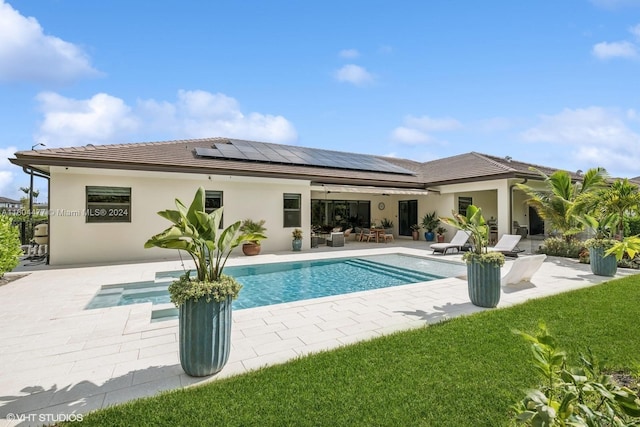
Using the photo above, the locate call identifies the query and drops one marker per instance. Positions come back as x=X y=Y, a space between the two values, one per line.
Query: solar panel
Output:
x=234 y=149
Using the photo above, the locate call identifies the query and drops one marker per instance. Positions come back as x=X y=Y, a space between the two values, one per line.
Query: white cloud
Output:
x=429 y=124
x=349 y=53
x=635 y=30
x=621 y=49
x=7 y=175
x=410 y=136
x=105 y=119
x=599 y=136
x=100 y=119
x=27 y=54
x=354 y=74
x=417 y=130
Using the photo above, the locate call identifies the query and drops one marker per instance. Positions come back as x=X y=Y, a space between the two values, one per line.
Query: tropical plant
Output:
x=196 y=232
x=386 y=223
x=556 y=246
x=475 y=224
x=415 y=227
x=430 y=221
x=296 y=234
x=441 y=230
x=255 y=228
x=620 y=199
x=560 y=200
x=629 y=246
x=573 y=396
x=10 y=250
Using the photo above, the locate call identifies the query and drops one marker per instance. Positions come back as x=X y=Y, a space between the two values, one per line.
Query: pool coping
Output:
x=59 y=358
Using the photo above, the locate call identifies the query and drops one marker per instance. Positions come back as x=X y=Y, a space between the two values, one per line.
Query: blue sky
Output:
x=554 y=83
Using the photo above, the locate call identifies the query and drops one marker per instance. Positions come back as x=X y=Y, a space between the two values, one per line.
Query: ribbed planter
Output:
x=205 y=336
x=602 y=265
x=484 y=284
x=250 y=249
x=296 y=245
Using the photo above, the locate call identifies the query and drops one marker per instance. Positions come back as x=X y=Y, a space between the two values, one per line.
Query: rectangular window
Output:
x=213 y=201
x=463 y=203
x=292 y=210
x=108 y=204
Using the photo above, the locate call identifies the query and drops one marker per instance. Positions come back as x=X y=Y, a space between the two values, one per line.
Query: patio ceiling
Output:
x=367 y=189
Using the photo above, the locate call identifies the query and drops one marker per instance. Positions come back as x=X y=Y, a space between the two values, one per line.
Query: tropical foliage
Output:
x=430 y=221
x=560 y=201
x=197 y=233
x=10 y=250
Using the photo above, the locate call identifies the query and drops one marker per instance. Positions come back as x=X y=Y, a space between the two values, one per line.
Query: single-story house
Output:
x=103 y=199
x=9 y=204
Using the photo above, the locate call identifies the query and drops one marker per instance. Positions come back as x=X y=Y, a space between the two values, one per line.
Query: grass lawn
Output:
x=463 y=372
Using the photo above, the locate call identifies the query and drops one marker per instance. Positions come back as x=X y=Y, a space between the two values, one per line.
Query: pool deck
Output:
x=59 y=359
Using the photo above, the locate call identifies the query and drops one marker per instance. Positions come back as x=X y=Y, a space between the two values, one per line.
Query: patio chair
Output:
x=367 y=234
x=335 y=239
x=523 y=269
x=458 y=241
x=347 y=233
x=508 y=245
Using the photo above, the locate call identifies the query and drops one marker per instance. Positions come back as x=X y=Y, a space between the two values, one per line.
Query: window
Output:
x=463 y=203
x=292 y=210
x=108 y=204
x=213 y=201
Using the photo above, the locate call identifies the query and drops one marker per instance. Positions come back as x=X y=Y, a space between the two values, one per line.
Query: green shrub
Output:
x=631 y=225
x=574 y=395
x=10 y=250
x=557 y=246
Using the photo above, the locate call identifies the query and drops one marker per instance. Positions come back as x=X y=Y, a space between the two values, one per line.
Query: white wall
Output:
x=74 y=241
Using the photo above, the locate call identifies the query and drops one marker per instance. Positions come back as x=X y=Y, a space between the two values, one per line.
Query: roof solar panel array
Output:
x=271 y=153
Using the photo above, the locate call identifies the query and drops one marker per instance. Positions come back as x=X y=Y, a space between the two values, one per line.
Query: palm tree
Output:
x=561 y=197
x=622 y=197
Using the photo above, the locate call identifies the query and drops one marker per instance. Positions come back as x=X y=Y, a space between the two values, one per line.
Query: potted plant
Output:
x=440 y=234
x=204 y=301
x=601 y=264
x=429 y=222
x=483 y=267
x=415 y=231
x=297 y=239
x=629 y=246
x=257 y=229
x=387 y=224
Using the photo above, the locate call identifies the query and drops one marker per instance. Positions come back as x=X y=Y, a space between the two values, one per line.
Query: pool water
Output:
x=267 y=284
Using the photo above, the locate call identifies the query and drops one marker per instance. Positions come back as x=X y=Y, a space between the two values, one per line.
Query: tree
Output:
x=559 y=200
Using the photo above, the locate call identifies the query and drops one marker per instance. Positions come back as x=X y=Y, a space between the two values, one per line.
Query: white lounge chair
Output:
x=522 y=269
x=508 y=245
x=456 y=243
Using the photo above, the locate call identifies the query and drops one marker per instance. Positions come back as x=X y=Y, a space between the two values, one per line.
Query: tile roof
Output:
x=180 y=156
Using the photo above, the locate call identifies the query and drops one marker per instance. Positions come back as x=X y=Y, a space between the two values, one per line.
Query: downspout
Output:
x=39 y=174
x=511 y=187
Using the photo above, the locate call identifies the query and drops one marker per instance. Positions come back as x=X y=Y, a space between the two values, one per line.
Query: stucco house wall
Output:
x=74 y=241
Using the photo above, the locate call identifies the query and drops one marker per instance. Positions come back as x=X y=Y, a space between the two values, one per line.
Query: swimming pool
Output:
x=267 y=284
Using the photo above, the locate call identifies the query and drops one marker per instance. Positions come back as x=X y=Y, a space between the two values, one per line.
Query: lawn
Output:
x=464 y=372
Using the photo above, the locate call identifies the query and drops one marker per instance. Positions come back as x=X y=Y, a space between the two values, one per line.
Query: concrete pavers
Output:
x=58 y=359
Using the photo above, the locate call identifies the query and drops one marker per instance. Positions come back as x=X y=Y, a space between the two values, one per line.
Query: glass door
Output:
x=407 y=216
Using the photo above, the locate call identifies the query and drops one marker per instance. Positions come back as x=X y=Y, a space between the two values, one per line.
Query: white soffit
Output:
x=367 y=190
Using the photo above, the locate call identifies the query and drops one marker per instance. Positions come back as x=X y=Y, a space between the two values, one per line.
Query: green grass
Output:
x=464 y=372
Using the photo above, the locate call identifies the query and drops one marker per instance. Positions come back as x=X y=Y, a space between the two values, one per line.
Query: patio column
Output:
x=504 y=209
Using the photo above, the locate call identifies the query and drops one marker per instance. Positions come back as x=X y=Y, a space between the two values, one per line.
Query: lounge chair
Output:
x=522 y=269
x=508 y=245
x=458 y=241
x=335 y=239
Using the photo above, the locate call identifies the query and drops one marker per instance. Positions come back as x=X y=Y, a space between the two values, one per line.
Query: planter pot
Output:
x=602 y=265
x=415 y=235
x=484 y=284
x=204 y=336
x=429 y=236
x=250 y=249
x=440 y=238
x=296 y=245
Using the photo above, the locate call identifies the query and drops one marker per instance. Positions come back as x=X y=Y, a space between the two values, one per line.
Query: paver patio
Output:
x=59 y=359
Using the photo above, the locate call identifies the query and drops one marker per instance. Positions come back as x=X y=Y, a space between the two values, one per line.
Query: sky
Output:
x=554 y=83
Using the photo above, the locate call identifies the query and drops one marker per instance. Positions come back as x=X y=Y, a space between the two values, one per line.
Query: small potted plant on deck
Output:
x=483 y=267
x=600 y=263
x=429 y=222
x=440 y=231
x=415 y=231
x=257 y=229
x=297 y=240
x=204 y=301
